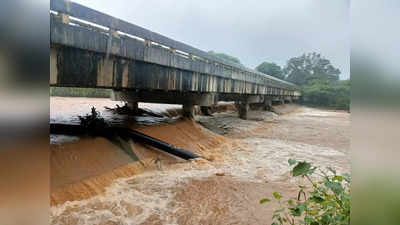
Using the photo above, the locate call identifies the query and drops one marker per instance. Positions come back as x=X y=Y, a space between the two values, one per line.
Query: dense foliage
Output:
x=319 y=81
x=326 y=93
x=271 y=69
x=225 y=56
x=323 y=202
x=301 y=70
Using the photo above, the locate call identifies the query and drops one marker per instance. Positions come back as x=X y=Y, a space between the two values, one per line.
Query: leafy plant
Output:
x=323 y=202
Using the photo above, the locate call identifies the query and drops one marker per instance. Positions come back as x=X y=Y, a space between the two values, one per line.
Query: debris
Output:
x=125 y=110
x=95 y=125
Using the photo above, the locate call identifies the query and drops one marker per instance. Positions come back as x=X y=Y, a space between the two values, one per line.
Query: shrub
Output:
x=326 y=201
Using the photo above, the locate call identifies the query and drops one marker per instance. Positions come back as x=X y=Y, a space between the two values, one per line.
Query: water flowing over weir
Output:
x=82 y=167
x=116 y=133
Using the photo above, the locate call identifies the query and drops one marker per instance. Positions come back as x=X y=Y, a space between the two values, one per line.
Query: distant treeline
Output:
x=326 y=93
x=314 y=74
x=80 y=92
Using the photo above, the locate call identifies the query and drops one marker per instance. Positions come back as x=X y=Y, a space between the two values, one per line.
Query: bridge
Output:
x=91 y=49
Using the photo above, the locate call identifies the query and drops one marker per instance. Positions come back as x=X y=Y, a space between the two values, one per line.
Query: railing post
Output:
x=113 y=33
x=147 y=43
x=191 y=56
x=64 y=18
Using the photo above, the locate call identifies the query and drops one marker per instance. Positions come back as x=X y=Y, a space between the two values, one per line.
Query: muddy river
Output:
x=95 y=182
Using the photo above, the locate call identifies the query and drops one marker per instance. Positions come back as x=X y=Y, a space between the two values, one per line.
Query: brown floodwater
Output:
x=95 y=182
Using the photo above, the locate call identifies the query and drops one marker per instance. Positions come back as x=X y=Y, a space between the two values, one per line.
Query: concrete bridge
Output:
x=91 y=49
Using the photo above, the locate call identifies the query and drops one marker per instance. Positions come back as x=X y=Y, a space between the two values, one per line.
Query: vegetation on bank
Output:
x=324 y=201
x=319 y=81
x=80 y=92
x=325 y=93
x=316 y=76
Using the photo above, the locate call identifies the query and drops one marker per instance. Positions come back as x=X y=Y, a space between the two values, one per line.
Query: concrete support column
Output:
x=282 y=101
x=134 y=106
x=267 y=104
x=188 y=110
x=206 y=110
x=243 y=108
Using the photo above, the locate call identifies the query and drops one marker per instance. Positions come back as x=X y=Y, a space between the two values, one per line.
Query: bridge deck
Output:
x=91 y=49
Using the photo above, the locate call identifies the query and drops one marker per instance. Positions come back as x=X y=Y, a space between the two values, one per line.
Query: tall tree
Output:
x=270 y=69
x=225 y=56
x=301 y=70
x=322 y=92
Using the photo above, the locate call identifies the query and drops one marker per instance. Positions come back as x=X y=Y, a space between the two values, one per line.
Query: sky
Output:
x=252 y=30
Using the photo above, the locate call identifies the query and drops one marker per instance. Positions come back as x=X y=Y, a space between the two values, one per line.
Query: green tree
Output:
x=225 y=56
x=301 y=70
x=270 y=69
x=321 y=92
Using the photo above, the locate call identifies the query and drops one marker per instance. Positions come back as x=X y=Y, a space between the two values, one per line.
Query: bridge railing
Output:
x=85 y=16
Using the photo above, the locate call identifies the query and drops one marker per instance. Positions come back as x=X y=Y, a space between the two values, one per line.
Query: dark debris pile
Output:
x=93 y=123
x=125 y=110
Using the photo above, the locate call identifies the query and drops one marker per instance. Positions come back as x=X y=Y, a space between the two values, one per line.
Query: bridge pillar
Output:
x=188 y=110
x=280 y=100
x=206 y=110
x=267 y=104
x=134 y=106
x=243 y=108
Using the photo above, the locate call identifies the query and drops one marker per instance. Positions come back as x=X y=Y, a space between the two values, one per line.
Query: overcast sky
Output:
x=252 y=30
